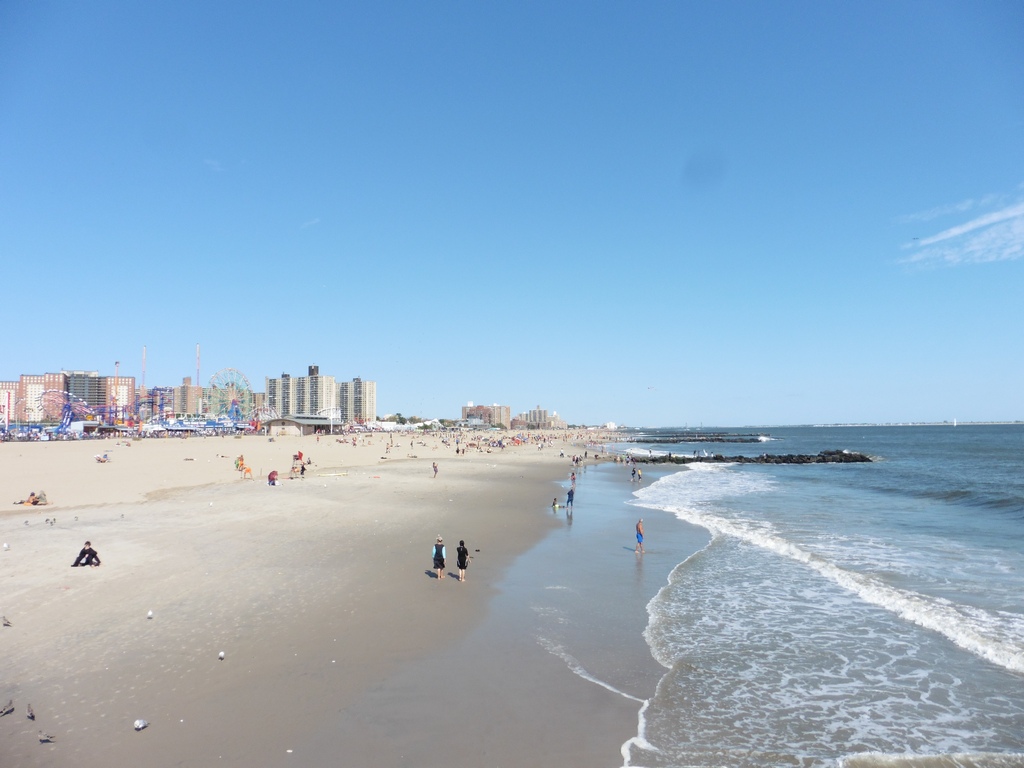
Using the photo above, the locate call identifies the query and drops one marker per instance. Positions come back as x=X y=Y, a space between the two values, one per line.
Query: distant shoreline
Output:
x=720 y=430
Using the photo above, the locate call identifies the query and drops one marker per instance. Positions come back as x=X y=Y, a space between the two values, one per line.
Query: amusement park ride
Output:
x=229 y=401
x=230 y=395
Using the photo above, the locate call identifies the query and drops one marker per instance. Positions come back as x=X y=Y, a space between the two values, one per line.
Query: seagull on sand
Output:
x=45 y=738
x=29 y=712
x=7 y=708
x=6 y=623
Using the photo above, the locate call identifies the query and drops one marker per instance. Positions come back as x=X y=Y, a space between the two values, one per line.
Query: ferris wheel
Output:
x=230 y=394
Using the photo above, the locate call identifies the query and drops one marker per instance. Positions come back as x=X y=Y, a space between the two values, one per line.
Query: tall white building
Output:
x=302 y=395
x=357 y=400
x=281 y=395
x=315 y=393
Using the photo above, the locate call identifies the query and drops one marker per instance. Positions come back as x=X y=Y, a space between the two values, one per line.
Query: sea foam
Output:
x=690 y=495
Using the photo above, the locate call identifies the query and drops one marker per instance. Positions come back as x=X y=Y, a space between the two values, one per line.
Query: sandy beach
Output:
x=318 y=591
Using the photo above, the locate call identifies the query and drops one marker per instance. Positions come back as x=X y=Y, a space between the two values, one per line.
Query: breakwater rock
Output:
x=700 y=437
x=825 y=457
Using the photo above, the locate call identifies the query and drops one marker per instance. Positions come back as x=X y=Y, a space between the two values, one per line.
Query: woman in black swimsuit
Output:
x=463 y=554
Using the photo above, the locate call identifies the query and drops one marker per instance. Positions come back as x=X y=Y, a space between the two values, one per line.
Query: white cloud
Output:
x=309 y=223
x=944 y=210
x=996 y=236
x=214 y=165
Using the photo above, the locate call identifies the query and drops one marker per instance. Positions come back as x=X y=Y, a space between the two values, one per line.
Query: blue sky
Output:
x=656 y=213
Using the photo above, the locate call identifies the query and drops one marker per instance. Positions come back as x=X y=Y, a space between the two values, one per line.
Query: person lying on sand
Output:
x=34 y=499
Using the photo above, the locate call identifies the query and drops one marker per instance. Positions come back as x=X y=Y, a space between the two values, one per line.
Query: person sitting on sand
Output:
x=87 y=556
x=34 y=499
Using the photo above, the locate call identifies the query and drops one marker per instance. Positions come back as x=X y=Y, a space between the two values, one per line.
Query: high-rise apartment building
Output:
x=41 y=397
x=315 y=393
x=494 y=415
x=357 y=400
x=188 y=398
x=303 y=395
x=538 y=418
x=87 y=386
x=280 y=395
x=121 y=397
x=112 y=396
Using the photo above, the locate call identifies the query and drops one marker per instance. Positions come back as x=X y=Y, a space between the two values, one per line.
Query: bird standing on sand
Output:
x=7 y=708
x=45 y=738
x=5 y=621
x=29 y=712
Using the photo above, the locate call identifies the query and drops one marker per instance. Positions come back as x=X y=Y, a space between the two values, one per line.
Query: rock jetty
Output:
x=825 y=457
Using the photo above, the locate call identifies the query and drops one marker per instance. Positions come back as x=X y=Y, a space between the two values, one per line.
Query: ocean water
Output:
x=805 y=615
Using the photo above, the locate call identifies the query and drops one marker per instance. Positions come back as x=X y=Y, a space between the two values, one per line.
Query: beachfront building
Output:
x=295 y=426
x=188 y=398
x=357 y=401
x=87 y=386
x=538 y=418
x=487 y=415
x=302 y=395
x=111 y=397
x=280 y=395
x=41 y=397
x=121 y=402
x=315 y=393
x=8 y=397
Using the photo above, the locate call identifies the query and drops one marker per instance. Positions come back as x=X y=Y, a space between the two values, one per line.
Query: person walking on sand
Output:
x=435 y=469
x=439 y=555
x=639 y=536
x=463 y=559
